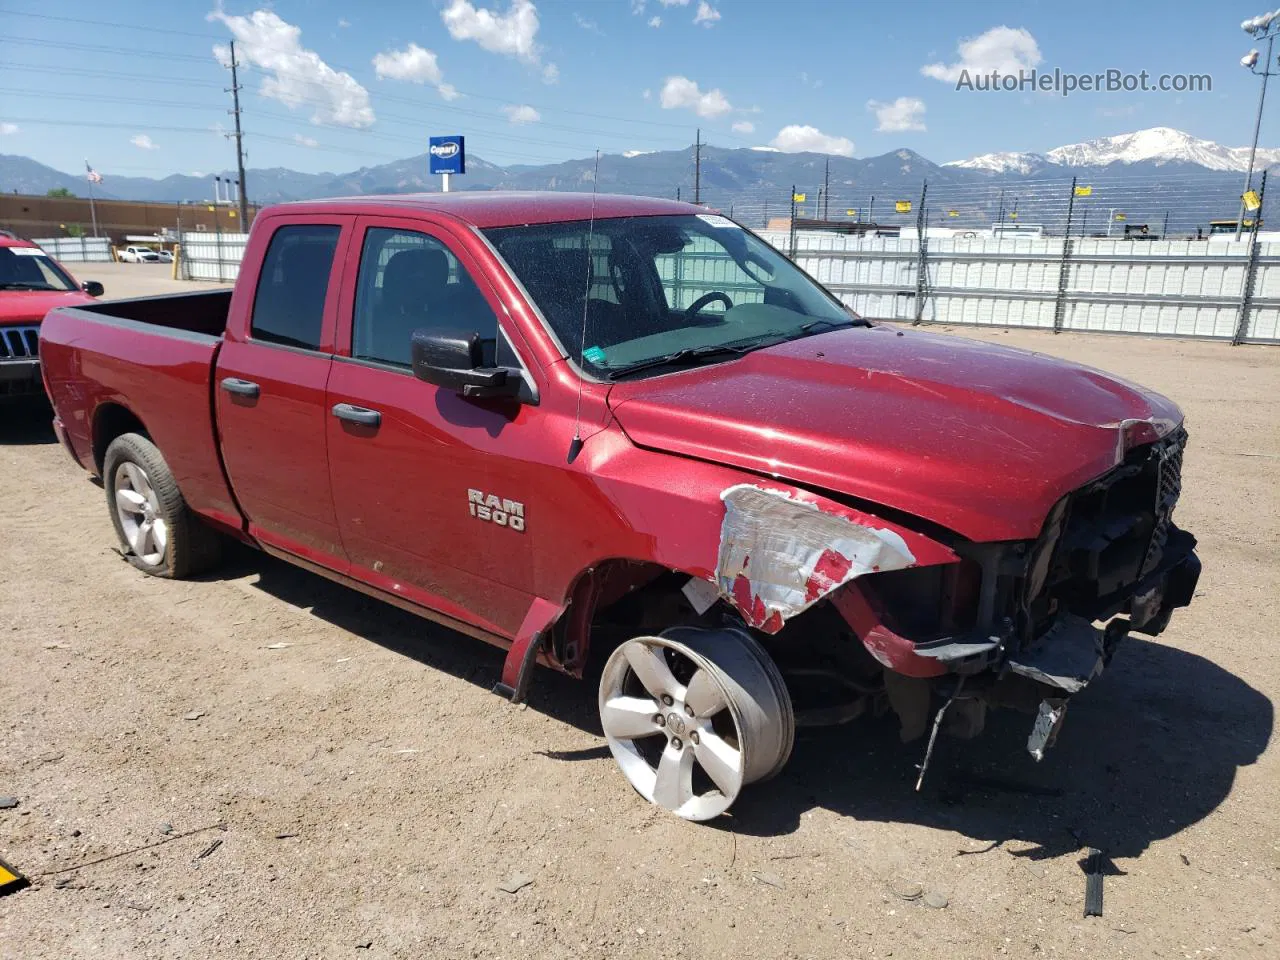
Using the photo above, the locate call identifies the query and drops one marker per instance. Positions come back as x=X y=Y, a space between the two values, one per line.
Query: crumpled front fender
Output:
x=782 y=550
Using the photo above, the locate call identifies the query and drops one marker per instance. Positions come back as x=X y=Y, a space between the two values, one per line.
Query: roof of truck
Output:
x=8 y=240
x=491 y=208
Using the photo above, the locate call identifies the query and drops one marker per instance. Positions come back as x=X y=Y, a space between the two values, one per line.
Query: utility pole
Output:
x=826 y=190
x=239 y=138
x=697 y=168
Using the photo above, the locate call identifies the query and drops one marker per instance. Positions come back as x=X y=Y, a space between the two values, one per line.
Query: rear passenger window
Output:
x=289 y=305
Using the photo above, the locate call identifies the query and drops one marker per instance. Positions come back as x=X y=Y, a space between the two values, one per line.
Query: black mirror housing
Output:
x=93 y=288
x=454 y=359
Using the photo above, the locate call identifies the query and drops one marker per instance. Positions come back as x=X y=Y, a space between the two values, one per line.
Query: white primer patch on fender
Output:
x=780 y=555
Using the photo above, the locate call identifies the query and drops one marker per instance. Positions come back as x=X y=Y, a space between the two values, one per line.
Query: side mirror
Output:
x=93 y=288
x=454 y=359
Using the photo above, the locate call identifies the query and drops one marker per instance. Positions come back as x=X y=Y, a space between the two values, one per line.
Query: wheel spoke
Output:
x=650 y=666
x=159 y=534
x=130 y=501
x=138 y=540
x=628 y=718
x=704 y=695
x=674 y=785
x=722 y=762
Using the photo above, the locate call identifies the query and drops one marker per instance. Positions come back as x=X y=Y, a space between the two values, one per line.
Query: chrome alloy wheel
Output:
x=139 y=511
x=693 y=716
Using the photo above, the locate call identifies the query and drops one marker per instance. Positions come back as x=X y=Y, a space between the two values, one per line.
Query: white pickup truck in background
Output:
x=136 y=254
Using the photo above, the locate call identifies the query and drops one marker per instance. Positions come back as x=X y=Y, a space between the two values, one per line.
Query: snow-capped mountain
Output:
x=1157 y=146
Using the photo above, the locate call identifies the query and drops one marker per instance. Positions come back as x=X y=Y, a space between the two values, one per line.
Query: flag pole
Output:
x=93 y=211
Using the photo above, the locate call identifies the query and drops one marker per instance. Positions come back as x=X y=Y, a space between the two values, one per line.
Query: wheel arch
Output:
x=112 y=419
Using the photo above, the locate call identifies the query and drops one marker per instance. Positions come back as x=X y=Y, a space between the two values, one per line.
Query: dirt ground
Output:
x=188 y=787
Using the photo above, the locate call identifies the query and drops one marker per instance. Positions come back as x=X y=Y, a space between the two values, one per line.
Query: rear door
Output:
x=430 y=488
x=270 y=392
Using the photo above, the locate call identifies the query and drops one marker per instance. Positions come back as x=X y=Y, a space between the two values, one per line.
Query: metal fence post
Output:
x=922 y=255
x=1064 y=268
x=1251 y=271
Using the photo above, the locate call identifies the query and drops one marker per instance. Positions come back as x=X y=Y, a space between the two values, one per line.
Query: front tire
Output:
x=158 y=532
x=693 y=716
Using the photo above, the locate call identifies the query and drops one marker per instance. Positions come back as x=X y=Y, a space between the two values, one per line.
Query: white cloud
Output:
x=522 y=114
x=636 y=153
x=744 y=126
x=1004 y=50
x=143 y=142
x=707 y=15
x=510 y=34
x=900 y=116
x=297 y=77
x=674 y=3
x=588 y=25
x=655 y=22
x=413 y=64
x=343 y=22
x=648 y=94
x=302 y=141
x=797 y=138
x=8 y=129
x=681 y=92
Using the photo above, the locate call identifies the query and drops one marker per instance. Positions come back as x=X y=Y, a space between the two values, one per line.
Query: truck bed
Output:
x=149 y=362
x=204 y=312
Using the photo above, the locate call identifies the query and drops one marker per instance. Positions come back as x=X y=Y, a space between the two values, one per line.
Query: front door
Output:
x=428 y=486
x=270 y=394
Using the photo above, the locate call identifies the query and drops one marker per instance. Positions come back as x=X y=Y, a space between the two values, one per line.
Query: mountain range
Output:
x=1167 y=169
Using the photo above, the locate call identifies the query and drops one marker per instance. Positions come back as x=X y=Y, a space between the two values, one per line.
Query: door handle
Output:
x=353 y=414
x=241 y=388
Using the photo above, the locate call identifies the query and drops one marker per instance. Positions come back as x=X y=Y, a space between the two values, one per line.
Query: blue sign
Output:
x=448 y=155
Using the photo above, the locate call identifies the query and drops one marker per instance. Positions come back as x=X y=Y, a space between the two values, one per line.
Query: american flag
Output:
x=92 y=175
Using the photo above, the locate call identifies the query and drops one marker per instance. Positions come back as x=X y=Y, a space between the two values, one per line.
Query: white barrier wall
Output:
x=1182 y=288
x=77 y=249
x=212 y=256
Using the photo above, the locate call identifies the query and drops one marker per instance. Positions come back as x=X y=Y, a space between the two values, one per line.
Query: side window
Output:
x=288 y=307
x=410 y=281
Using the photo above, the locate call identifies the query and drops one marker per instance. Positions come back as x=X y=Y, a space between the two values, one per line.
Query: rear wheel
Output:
x=693 y=715
x=158 y=532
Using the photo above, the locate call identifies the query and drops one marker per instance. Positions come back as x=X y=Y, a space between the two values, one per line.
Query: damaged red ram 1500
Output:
x=629 y=429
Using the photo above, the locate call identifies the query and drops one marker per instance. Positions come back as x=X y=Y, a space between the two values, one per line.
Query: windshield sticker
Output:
x=593 y=354
x=27 y=251
x=715 y=220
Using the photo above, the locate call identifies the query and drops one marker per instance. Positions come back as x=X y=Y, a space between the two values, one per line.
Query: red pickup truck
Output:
x=626 y=437
x=31 y=284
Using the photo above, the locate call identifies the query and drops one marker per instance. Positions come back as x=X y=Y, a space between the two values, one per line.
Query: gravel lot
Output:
x=369 y=793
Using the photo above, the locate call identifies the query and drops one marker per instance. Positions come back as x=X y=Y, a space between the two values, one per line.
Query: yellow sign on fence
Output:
x=953 y=213
x=902 y=206
x=1252 y=200
x=799 y=197
x=1084 y=191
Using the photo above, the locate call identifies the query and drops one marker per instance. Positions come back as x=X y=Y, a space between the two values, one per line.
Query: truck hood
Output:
x=979 y=438
x=29 y=306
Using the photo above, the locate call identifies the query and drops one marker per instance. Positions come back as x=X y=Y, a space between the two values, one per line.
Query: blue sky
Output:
x=338 y=85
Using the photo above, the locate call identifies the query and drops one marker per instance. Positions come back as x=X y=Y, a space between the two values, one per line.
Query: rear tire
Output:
x=158 y=532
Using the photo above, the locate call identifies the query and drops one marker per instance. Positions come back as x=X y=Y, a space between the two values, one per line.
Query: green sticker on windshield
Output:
x=593 y=354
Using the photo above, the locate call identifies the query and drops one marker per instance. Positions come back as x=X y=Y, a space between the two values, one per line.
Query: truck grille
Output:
x=1168 y=454
x=19 y=343
x=1109 y=534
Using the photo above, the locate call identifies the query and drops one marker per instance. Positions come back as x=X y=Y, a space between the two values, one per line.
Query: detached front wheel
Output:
x=158 y=532
x=693 y=716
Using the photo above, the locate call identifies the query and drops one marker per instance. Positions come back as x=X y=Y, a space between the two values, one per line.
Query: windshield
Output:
x=27 y=268
x=675 y=287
